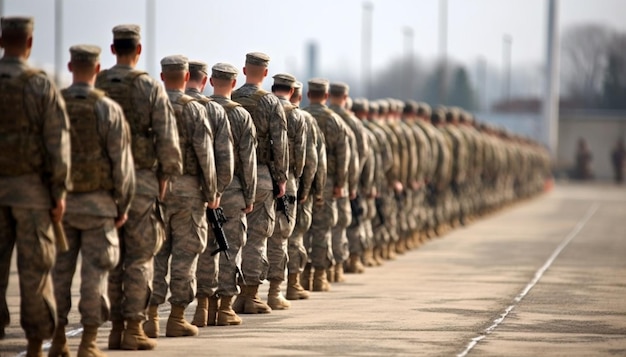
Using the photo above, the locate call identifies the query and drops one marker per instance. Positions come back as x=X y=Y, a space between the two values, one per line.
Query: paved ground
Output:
x=546 y=277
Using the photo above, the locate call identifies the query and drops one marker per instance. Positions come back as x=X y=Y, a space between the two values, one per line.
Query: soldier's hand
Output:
x=373 y=192
x=281 y=189
x=215 y=204
x=319 y=200
x=56 y=213
x=338 y=192
x=120 y=220
x=398 y=187
x=352 y=195
x=248 y=208
x=303 y=199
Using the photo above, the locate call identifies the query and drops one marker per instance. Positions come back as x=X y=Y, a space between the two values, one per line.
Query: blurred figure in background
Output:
x=583 y=161
x=618 y=159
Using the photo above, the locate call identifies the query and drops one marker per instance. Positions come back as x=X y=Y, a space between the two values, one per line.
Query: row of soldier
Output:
x=307 y=193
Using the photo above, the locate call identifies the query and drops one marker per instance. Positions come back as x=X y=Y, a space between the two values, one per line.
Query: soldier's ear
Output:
x=138 y=48
x=204 y=80
x=113 y=49
x=234 y=83
x=98 y=67
x=187 y=76
x=265 y=72
x=244 y=71
x=69 y=66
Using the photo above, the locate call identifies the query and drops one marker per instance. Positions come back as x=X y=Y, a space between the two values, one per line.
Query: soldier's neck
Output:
x=127 y=61
x=222 y=92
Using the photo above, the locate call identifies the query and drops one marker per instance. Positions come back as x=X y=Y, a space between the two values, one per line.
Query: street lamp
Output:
x=507 y=44
x=408 y=35
x=366 y=48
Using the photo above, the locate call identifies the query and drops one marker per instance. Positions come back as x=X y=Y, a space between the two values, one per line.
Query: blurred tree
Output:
x=614 y=86
x=461 y=91
x=584 y=58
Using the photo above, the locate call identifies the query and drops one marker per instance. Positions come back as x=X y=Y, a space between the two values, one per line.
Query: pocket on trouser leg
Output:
x=44 y=251
x=110 y=250
x=197 y=240
x=105 y=307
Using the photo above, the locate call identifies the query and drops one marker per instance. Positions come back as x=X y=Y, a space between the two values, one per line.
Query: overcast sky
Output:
x=223 y=31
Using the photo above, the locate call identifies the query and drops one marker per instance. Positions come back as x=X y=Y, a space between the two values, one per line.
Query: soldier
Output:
x=217 y=276
x=277 y=244
x=318 y=238
x=103 y=179
x=157 y=157
x=33 y=180
x=220 y=126
x=310 y=189
x=355 y=205
x=273 y=163
x=618 y=161
x=185 y=218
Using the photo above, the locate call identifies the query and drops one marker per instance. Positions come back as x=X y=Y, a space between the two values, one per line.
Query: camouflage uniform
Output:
x=338 y=156
x=27 y=185
x=185 y=218
x=272 y=168
x=157 y=157
x=104 y=185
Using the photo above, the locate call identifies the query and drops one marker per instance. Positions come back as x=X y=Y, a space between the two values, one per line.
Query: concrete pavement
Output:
x=546 y=277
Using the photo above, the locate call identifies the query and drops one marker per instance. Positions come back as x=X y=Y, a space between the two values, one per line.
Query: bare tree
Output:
x=585 y=50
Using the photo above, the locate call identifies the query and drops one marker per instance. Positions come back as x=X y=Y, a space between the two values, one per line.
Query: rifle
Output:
x=378 y=202
x=216 y=217
x=282 y=203
x=357 y=210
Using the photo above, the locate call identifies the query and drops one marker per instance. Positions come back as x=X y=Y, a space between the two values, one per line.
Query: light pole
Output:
x=443 y=49
x=151 y=36
x=366 y=48
x=551 y=95
x=58 y=41
x=408 y=35
x=507 y=44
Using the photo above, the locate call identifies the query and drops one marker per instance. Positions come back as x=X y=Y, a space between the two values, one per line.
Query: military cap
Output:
x=373 y=107
x=257 y=59
x=199 y=66
x=339 y=88
x=438 y=115
x=383 y=106
x=85 y=53
x=318 y=85
x=127 y=32
x=284 y=79
x=349 y=102
x=17 y=24
x=423 y=109
x=452 y=115
x=360 y=105
x=297 y=87
x=410 y=106
x=224 y=71
x=174 y=63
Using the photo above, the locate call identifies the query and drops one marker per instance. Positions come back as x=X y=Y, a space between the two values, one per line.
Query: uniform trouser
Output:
x=97 y=241
x=381 y=233
x=298 y=255
x=31 y=231
x=216 y=274
x=338 y=232
x=186 y=228
x=277 y=244
x=261 y=223
x=357 y=241
x=130 y=282
x=318 y=239
x=368 y=232
x=419 y=208
x=391 y=217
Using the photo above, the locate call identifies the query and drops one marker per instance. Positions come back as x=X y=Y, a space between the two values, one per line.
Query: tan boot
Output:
x=295 y=291
x=59 y=347
x=378 y=256
x=339 y=277
x=151 y=325
x=214 y=302
x=115 y=336
x=275 y=299
x=306 y=279
x=330 y=274
x=134 y=338
x=355 y=265
x=391 y=254
x=202 y=312
x=368 y=257
x=34 y=348
x=177 y=326
x=320 y=283
x=400 y=246
x=249 y=302
x=88 y=346
x=226 y=316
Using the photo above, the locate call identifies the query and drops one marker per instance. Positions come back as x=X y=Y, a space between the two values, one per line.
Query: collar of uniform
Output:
x=175 y=91
x=216 y=96
x=123 y=66
x=11 y=59
x=192 y=90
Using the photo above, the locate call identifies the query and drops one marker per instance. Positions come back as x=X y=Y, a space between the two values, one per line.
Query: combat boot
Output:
x=202 y=312
x=391 y=251
x=275 y=299
x=249 y=302
x=295 y=291
x=306 y=278
x=88 y=346
x=151 y=325
x=212 y=310
x=34 y=348
x=226 y=316
x=378 y=256
x=134 y=338
x=59 y=347
x=177 y=326
x=355 y=265
x=368 y=258
x=115 y=336
x=320 y=283
x=330 y=274
x=339 y=277
x=400 y=246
